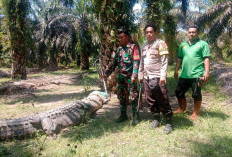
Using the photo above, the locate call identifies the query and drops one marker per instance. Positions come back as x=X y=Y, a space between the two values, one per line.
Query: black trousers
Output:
x=157 y=97
x=183 y=86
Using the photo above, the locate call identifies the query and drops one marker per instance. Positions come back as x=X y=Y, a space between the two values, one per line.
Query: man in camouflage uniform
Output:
x=127 y=60
x=153 y=71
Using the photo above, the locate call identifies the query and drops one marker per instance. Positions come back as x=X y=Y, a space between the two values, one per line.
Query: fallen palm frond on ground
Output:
x=28 y=86
x=223 y=75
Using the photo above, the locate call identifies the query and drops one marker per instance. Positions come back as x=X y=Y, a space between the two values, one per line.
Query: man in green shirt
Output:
x=194 y=56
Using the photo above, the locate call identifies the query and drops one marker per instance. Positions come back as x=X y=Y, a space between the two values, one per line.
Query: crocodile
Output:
x=54 y=120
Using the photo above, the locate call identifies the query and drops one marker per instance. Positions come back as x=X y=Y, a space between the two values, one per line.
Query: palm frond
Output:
x=67 y=3
x=52 y=12
x=60 y=32
x=220 y=25
x=230 y=27
x=212 y=14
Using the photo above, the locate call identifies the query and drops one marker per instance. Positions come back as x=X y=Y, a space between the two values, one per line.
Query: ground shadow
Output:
x=181 y=121
x=217 y=146
x=95 y=128
x=104 y=123
x=16 y=149
x=212 y=114
x=51 y=98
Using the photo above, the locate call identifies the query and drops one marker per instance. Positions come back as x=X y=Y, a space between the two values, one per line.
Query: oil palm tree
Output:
x=84 y=14
x=54 y=32
x=216 y=21
x=165 y=14
x=112 y=15
x=158 y=13
x=15 y=12
x=59 y=35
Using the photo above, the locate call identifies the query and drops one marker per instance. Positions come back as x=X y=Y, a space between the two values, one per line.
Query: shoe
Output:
x=123 y=117
x=168 y=127
x=135 y=119
x=156 y=122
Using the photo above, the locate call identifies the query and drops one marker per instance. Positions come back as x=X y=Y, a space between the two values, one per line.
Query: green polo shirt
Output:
x=193 y=58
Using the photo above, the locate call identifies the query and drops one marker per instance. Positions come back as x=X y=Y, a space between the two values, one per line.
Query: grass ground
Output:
x=210 y=135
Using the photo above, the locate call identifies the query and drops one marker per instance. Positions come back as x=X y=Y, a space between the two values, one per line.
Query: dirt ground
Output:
x=44 y=93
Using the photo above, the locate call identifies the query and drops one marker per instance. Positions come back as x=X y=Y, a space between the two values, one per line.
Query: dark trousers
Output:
x=157 y=97
x=184 y=85
x=127 y=94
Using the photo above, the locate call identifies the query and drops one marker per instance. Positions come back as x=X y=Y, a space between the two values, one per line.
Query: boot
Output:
x=135 y=119
x=123 y=117
x=156 y=122
x=182 y=106
x=169 y=126
x=196 y=110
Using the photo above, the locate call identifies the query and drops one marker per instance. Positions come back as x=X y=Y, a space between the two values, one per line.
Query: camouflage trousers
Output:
x=127 y=94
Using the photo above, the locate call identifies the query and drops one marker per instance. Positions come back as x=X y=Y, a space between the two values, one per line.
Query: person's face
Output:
x=192 y=33
x=150 y=34
x=123 y=39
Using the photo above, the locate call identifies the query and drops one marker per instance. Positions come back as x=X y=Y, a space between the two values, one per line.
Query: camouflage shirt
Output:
x=127 y=59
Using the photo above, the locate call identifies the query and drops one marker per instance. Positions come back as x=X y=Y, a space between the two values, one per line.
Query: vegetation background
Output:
x=57 y=42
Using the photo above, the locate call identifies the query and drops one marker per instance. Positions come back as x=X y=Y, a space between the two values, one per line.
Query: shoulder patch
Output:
x=184 y=47
x=163 y=48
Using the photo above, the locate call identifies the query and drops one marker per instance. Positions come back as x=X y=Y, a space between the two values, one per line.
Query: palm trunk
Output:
x=84 y=62
x=19 y=61
x=52 y=62
x=154 y=12
x=110 y=23
x=170 y=38
x=41 y=56
x=78 y=60
x=107 y=55
x=85 y=43
x=18 y=54
x=16 y=17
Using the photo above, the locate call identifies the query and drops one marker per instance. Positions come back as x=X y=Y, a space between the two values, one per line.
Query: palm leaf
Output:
x=212 y=14
x=230 y=26
x=220 y=25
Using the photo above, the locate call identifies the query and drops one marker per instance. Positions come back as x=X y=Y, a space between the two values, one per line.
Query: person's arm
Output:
x=206 y=56
x=207 y=68
x=163 y=52
x=179 y=60
x=163 y=70
x=112 y=66
x=178 y=64
x=136 y=61
x=141 y=69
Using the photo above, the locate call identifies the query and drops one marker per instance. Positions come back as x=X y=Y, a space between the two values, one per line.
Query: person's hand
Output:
x=103 y=77
x=140 y=81
x=206 y=77
x=200 y=81
x=176 y=74
x=162 y=80
x=133 y=80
